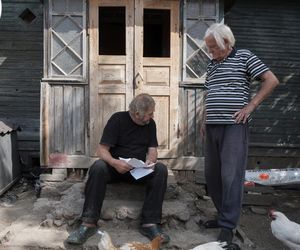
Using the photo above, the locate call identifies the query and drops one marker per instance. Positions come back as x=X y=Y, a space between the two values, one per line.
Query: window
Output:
x=67 y=38
x=156 y=33
x=198 y=16
x=112 y=38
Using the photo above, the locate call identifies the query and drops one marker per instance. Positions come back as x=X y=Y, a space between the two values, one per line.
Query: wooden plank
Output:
x=68 y=125
x=44 y=126
x=58 y=123
x=257 y=200
x=187 y=163
x=259 y=189
x=191 y=103
x=79 y=120
x=57 y=160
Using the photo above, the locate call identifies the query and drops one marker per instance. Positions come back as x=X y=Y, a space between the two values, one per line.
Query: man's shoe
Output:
x=80 y=235
x=152 y=231
x=225 y=235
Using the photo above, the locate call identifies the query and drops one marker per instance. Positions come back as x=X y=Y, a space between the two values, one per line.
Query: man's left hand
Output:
x=242 y=115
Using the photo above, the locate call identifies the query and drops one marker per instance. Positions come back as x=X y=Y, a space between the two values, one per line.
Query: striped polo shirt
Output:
x=227 y=84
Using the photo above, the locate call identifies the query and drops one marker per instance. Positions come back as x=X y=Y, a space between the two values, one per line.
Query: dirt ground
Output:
x=254 y=222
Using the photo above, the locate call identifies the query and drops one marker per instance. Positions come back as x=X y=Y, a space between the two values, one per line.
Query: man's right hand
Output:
x=121 y=166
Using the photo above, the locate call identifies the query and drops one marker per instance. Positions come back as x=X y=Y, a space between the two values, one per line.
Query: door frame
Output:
x=134 y=61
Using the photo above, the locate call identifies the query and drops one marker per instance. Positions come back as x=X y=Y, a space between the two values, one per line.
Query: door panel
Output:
x=111 y=80
x=149 y=66
x=160 y=73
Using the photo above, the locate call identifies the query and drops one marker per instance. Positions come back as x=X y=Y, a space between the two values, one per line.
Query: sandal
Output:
x=152 y=231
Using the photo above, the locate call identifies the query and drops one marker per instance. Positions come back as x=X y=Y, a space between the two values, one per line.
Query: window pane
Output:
x=198 y=63
x=156 y=33
x=112 y=31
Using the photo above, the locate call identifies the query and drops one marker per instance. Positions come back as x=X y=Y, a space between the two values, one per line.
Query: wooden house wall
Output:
x=271 y=29
x=21 y=66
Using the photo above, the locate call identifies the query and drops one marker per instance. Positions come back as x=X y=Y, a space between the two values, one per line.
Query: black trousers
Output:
x=225 y=165
x=100 y=174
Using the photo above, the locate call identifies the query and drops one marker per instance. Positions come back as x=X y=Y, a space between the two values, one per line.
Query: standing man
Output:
x=228 y=107
x=128 y=134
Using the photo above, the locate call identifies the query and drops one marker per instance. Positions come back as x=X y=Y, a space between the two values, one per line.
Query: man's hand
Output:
x=150 y=164
x=151 y=157
x=268 y=82
x=242 y=115
x=121 y=166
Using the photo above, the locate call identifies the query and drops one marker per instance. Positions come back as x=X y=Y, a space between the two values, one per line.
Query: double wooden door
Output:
x=134 y=48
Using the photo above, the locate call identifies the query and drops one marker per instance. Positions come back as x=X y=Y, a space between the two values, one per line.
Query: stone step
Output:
x=123 y=201
x=54 y=216
x=125 y=191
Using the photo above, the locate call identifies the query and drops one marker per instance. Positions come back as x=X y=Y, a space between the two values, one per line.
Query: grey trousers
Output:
x=101 y=174
x=225 y=165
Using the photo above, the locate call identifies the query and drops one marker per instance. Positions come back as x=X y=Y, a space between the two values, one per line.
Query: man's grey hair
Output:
x=220 y=32
x=141 y=103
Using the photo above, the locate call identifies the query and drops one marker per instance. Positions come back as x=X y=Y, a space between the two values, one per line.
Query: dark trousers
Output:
x=101 y=174
x=225 y=165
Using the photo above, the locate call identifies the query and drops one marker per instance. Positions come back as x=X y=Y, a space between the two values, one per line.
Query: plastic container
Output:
x=273 y=177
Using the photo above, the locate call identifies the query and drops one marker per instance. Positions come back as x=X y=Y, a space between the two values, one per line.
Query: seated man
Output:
x=127 y=134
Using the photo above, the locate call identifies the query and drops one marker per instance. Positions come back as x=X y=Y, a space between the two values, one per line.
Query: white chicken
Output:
x=214 y=245
x=288 y=232
x=106 y=244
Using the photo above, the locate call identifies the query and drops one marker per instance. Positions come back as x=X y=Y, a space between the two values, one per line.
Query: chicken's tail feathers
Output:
x=105 y=241
x=100 y=232
x=156 y=242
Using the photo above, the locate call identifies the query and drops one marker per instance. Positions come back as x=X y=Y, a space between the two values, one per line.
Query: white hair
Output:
x=141 y=103
x=221 y=33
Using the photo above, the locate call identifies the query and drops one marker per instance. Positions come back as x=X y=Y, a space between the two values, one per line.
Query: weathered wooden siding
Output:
x=191 y=103
x=64 y=125
x=271 y=29
x=67 y=125
x=197 y=17
x=9 y=159
x=21 y=66
x=64 y=96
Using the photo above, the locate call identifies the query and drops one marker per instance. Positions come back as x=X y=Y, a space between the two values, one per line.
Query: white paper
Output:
x=138 y=173
x=136 y=163
x=140 y=168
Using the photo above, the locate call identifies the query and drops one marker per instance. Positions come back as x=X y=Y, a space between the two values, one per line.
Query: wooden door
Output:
x=134 y=48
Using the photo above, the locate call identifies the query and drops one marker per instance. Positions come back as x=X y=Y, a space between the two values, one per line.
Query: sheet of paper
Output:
x=136 y=163
x=140 y=169
x=138 y=173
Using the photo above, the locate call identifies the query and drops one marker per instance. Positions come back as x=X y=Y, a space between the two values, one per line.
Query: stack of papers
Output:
x=140 y=168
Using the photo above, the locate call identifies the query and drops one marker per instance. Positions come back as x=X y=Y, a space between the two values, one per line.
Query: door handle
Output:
x=138 y=80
